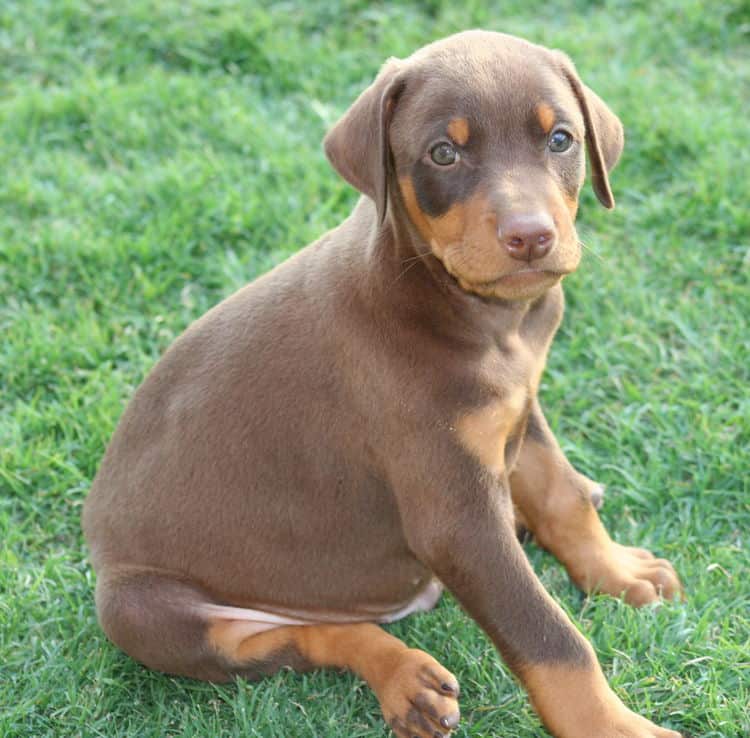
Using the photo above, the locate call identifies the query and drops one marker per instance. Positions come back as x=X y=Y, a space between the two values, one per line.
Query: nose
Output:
x=528 y=236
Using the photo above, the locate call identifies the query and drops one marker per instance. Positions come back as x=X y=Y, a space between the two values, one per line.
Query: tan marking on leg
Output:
x=568 y=698
x=546 y=116
x=458 y=130
x=555 y=501
x=417 y=695
x=484 y=432
x=241 y=642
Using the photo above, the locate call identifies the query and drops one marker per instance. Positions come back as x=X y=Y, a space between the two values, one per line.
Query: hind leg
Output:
x=155 y=618
x=417 y=695
x=174 y=626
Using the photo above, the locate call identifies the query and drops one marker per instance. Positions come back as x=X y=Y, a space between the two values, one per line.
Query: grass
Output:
x=157 y=155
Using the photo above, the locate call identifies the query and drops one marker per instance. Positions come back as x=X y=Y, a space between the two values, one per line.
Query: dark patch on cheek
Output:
x=438 y=190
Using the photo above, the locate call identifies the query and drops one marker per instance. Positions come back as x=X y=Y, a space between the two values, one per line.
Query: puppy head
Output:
x=478 y=141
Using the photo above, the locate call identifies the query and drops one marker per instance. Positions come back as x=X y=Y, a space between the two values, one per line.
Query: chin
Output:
x=527 y=284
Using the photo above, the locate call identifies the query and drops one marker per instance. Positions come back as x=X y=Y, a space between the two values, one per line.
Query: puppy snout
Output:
x=528 y=237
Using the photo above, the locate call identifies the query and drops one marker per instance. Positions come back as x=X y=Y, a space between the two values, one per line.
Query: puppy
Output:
x=334 y=443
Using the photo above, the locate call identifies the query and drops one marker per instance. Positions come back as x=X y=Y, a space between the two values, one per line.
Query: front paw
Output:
x=624 y=571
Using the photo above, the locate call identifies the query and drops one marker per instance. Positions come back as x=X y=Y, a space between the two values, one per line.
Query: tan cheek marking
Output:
x=477 y=255
x=546 y=116
x=471 y=228
x=458 y=130
x=449 y=227
x=419 y=219
x=484 y=432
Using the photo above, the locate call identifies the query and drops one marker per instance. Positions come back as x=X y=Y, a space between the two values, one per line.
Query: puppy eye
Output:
x=560 y=141
x=443 y=154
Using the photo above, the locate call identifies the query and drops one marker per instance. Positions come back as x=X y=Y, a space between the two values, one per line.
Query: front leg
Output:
x=457 y=517
x=557 y=504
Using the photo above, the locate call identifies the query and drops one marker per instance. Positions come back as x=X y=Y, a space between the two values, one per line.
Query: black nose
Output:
x=528 y=237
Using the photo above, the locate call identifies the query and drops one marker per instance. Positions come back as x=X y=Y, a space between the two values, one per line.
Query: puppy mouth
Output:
x=519 y=285
x=523 y=277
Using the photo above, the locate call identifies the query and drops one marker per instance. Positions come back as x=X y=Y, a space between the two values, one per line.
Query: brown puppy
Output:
x=329 y=446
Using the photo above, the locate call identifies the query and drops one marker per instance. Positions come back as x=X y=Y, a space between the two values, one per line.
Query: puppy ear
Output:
x=358 y=146
x=604 y=134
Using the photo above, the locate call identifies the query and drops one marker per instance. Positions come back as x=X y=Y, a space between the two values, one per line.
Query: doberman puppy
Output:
x=334 y=443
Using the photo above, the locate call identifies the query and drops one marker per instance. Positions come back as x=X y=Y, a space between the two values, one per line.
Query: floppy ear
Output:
x=358 y=146
x=604 y=133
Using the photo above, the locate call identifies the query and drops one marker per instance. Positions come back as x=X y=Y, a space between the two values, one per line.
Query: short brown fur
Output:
x=315 y=453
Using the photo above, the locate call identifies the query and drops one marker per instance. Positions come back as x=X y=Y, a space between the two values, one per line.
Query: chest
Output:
x=508 y=378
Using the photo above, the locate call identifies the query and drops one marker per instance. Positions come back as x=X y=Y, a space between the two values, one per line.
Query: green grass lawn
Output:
x=157 y=155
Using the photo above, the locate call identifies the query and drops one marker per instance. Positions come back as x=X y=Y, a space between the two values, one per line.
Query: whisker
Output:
x=414 y=258
x=412 y=261
x=590 y=250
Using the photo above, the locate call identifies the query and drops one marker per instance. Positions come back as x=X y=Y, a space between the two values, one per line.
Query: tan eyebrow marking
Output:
x=546 y=116
x=458 y=130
